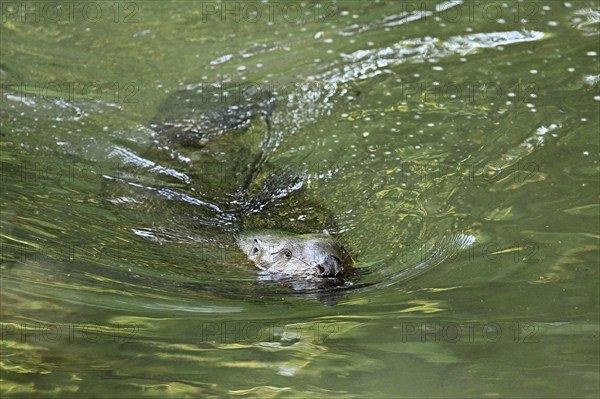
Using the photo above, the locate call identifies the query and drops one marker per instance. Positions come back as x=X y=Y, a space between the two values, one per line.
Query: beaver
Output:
x=209 y=121
x=307 y=255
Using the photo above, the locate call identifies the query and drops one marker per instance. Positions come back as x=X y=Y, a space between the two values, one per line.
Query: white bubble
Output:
x=591 y=53
x=533 y=71
x=366 y=134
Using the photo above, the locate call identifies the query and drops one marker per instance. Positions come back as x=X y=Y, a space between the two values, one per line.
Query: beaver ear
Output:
x=256 y=247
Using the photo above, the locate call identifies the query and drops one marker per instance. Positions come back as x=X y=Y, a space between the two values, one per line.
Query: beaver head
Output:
x=317 y=255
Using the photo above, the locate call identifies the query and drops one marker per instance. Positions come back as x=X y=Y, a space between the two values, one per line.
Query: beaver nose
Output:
x=329 y=267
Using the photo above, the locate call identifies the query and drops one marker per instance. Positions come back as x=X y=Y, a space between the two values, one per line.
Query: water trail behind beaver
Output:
x=226 y=136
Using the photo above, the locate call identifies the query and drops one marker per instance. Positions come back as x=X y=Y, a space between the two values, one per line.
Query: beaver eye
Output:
x=287 y=253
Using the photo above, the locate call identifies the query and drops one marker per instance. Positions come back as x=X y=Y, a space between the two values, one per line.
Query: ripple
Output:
x=129 y=157
x=364 y=64
x=194 y=309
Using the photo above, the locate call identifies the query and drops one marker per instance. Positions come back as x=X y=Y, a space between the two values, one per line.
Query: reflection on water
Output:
x=451 y=146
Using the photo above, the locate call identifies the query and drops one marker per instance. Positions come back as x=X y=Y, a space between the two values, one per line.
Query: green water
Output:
x=455 y=145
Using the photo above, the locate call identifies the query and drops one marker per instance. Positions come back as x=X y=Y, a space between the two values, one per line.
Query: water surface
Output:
x=452 y=146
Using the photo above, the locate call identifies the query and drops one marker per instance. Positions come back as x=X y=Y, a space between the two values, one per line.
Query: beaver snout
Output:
x=331 y=266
